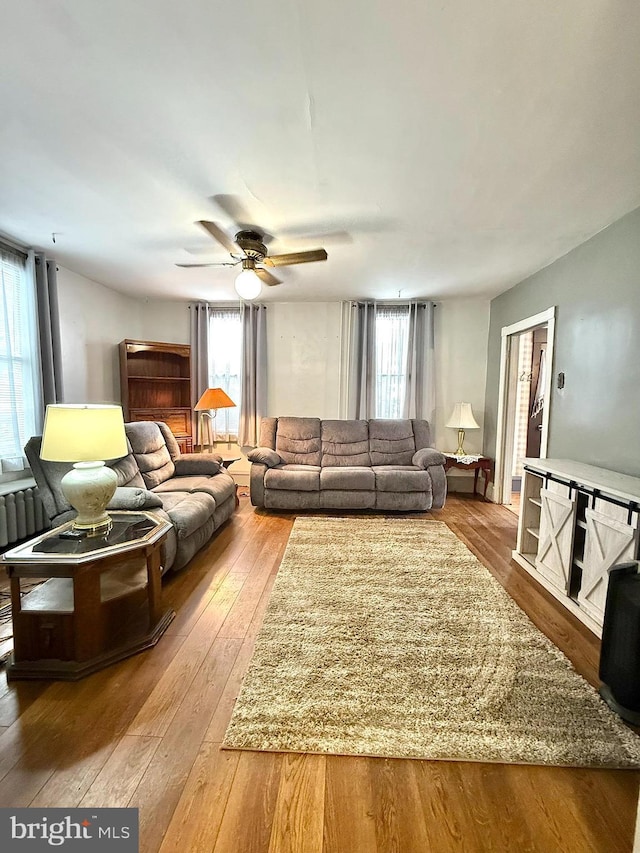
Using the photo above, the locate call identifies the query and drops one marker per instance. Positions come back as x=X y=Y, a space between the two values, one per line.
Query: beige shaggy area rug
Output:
x=387 y=637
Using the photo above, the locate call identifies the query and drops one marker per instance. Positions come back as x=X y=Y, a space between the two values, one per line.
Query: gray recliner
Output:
x=193 y=491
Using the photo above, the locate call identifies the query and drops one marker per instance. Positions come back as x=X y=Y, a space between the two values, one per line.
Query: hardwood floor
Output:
x=146 y=733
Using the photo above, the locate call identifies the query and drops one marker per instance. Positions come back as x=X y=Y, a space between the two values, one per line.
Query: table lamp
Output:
x=85 y=434
x=462 y=419
x=212 y=399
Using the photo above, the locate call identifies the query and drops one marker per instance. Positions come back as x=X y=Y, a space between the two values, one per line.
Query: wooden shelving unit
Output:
x=155 y=385
x=576 y=521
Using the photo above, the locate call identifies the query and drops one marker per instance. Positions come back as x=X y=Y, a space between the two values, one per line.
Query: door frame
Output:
x=505 y=412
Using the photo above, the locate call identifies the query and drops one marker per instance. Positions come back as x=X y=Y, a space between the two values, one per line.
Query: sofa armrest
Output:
x=427 y=457
x=265 y=456
x=131 y=497
x=192 y=464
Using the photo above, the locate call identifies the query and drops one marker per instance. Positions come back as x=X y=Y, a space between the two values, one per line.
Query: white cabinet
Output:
x=576 y=521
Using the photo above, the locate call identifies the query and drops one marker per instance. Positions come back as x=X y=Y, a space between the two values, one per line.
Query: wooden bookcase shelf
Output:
x=155 y=383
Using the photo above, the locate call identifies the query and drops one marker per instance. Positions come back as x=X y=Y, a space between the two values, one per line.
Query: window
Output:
x=392 y=338
x=19 y=360
x=225 y=367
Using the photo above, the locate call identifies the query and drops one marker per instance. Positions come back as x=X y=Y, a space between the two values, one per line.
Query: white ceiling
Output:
x=441 y=148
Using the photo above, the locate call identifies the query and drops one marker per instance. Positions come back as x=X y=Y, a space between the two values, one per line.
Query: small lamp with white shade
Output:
x=86 y=434
x=462 y=419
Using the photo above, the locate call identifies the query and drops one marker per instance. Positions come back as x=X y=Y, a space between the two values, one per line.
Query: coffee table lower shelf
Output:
x=71 y=670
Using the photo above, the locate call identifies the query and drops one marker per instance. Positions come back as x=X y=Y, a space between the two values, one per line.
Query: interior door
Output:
x=608 y=541
x=555 y=545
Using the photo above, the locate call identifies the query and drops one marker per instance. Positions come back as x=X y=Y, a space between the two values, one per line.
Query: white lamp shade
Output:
x=462 y=417
x=248 y=285
x=83 y=433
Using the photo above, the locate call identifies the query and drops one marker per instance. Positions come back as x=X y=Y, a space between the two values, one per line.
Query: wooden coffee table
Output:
x=101 y=600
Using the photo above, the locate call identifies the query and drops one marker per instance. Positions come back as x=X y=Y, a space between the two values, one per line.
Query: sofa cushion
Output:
x=298 y=441
x=391 y=442
x=197 y=464
x=150 y=452
x=343 y=478
x=401 y=478
x=339 y=499
x=345 y=443
x=188 y=511
x=301 y=478
x=127 y=472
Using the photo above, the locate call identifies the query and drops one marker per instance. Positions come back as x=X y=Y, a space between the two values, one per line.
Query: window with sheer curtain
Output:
x=225 y=367
x=391 y=343
x=19 y=358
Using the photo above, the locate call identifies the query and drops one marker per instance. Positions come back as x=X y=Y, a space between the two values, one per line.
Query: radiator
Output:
x=21 y=515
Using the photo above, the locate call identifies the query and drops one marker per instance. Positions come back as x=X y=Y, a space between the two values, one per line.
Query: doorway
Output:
x=523 y=403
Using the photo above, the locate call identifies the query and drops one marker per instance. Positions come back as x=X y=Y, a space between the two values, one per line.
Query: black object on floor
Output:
x=620 y=651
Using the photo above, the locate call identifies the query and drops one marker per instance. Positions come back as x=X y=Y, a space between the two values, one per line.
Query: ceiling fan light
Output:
x=248 y=285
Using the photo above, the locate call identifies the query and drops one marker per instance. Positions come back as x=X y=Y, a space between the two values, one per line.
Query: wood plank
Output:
x=198 y=815
x=162 y=785
x=157 y=712
x=121 y=774
x=349 y=817
x=248 y=817
x=299 y=810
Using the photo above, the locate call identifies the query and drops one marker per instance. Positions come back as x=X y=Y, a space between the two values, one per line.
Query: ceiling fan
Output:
x=247 y=248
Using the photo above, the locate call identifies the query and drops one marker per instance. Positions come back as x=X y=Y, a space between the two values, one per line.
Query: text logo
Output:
x=36 y=830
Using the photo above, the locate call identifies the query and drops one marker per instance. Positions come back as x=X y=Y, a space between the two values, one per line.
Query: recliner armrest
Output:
x=132 y=497
x=427 y=457
x=192 y=464
x=265 y=456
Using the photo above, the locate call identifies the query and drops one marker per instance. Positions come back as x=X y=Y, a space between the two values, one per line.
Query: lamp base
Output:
x=89 y=487
x=460 y=450
x=208 y=429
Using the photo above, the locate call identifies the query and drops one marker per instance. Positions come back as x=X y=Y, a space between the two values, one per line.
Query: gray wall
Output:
x=596 y=291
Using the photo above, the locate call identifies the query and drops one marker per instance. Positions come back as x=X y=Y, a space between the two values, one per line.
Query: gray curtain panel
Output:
x=362 y=361
x=199 y=321
x=48 y=327
x=419 y=398
x=253 y=403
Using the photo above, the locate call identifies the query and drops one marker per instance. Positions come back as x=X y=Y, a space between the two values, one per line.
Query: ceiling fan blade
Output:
x=266 y=277
x=223 y=264
x=235 y=209
x=296 y=258
x=218 y=234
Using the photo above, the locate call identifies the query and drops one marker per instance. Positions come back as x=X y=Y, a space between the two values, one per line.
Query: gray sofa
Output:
x=193 y=491
x=308 y=463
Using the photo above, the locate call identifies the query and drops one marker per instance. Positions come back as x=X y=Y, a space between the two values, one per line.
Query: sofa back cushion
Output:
x=421 y=433
x=345 y=443
x=48 y=476
x=127 y=470
x=391 y=442
x=298 y=441
x=150 y=452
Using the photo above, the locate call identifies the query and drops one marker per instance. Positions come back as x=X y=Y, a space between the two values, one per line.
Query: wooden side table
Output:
x=101 y=601
x=483 y=463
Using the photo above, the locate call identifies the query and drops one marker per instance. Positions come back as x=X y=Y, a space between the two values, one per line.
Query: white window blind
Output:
x=225 y=367
x=392 y=337
x=19 y=361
